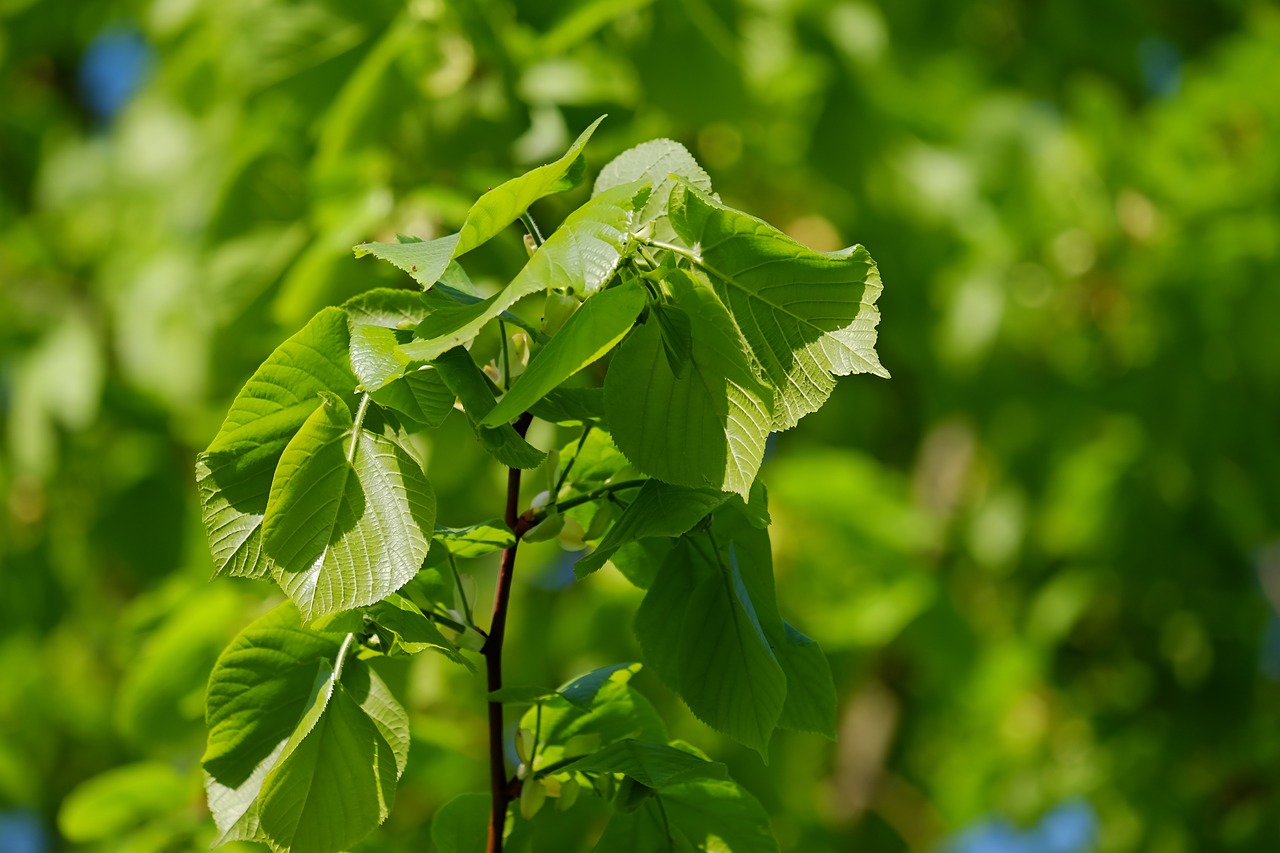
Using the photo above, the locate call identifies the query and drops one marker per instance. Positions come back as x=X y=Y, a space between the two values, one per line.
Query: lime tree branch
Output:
x=492 y=651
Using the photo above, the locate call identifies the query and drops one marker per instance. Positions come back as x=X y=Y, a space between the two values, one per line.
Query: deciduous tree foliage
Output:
x=714 y=329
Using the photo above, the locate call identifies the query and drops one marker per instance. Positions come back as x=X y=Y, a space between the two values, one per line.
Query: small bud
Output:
x=568 y=794
x=532 y=796
x=540 y=500
x=524 y=744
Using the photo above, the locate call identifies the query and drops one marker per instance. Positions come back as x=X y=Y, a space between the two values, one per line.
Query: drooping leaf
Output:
x=504 y=204
x=593 y=330
x=259 y=689
x=425 y=261
x=807 y=316
x=335 y=780
x=706 y=428
x=476 y=540
x=659 y=509
x=374 y=697
x=570 y=406
x=811 y=691
x=350 y=515
x=234 y=475
x=655 y=765
x=654 y=161
x=469 y=383
x=699 y=627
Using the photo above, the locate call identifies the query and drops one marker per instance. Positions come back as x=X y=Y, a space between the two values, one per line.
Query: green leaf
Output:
x=390 y=307
x=718 y=815
x=660 y=509
x=655 y=765
x=593 y=330
x=374 y=357
x=281 y=394
x=706 y=428
x=258 y=691
x=425 y=261
x=350 y=515
x=504 y=204
x=580 y=257
x=334 y=782
x=811 y=694
x=699 y=627
x=420 y=395
x=112 y=803
x=373 y=695
x=655 y=161
x=462 y=824
x=582 y=691
x=476 y=395
x=477 y=539
x=570 y=406
x=233 y=477
x=615 y=711
x=807 y=315
x=413 y=631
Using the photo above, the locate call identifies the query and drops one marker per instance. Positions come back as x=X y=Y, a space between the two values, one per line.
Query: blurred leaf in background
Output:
x=1042 y=558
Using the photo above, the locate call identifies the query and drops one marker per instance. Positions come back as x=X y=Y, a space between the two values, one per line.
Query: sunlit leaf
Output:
x=350 y=515
x=593 y=330
x=659 y=509
x=706 y=428
x=807 y=316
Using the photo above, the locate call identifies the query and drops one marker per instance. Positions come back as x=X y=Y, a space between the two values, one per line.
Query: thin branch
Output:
x=568 y=466
x=595 y=495
x=462 y=594
x=492 y=651
x=679 y=250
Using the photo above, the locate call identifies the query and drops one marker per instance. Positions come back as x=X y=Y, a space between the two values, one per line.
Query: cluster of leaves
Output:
x=720 y=330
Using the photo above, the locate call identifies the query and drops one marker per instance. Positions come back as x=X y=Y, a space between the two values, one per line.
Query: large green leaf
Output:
x=413 y=632
x=660 y=509
x=592 y=331
x=504 y=204
x=258 y=691
x=233 y=476
x=350 y=515
x=655 y=161
x=420 y=395
x=580 y=257
x=475 y=393
x=335 y=780
x=807 y=315
x=393 y=308
x=705 y=428
x=699 y=626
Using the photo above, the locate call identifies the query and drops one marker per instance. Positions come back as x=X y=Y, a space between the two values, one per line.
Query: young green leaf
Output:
x=805 y=314
x=704 y=429
x=475 y=393
x=655 y=161
x=420 y=395
x=504 y=204
x=660 y=509
x=476 y=540
x=413 y=631
x=424 y=260
x=580 y=257
x=374 y=357
x=593 y=330
x=350 y=515
x=390 y=307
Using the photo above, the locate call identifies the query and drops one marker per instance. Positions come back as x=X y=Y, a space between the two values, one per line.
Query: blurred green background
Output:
x=1044 y=558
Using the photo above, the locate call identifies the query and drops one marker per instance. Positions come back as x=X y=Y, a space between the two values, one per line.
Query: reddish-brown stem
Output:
x=492 y=652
